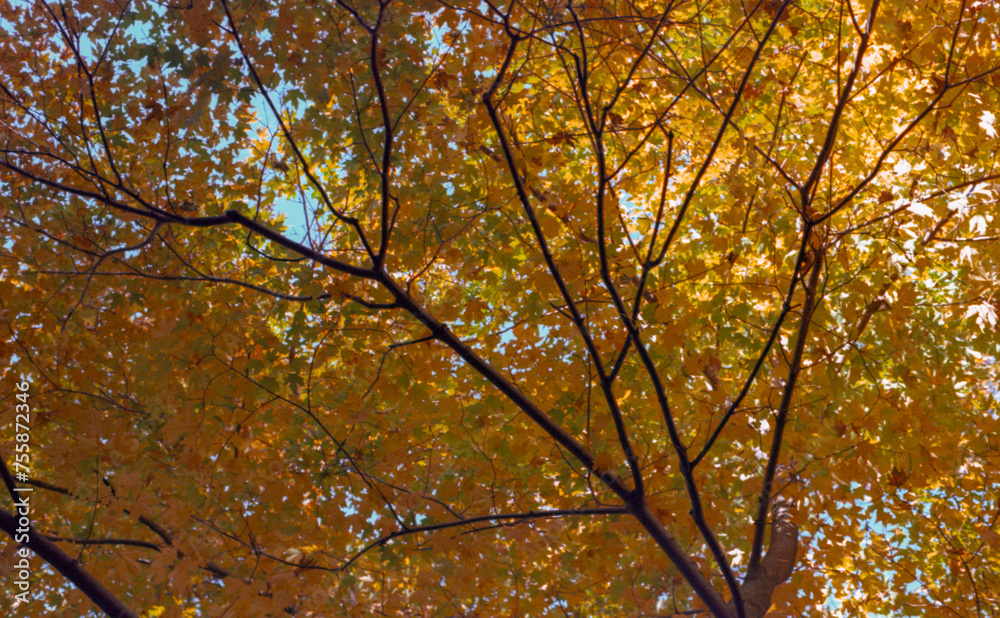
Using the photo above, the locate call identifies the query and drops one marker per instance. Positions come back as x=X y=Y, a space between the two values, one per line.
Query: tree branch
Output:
x=64 y=564
x=517 y=517
x=795 y=367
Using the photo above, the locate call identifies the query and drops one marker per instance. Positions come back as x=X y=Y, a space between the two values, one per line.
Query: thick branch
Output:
x=67 y=566
x=677 y=554
x=778 y=563
x=299 y=248
x=782 y=417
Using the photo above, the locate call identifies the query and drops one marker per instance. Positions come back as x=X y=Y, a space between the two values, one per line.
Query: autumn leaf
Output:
x=986 y=123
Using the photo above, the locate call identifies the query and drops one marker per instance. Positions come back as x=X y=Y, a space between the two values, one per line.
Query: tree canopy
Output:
x=489 y=308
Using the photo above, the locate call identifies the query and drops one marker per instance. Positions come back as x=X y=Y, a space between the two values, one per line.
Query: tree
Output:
x=592 y=308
